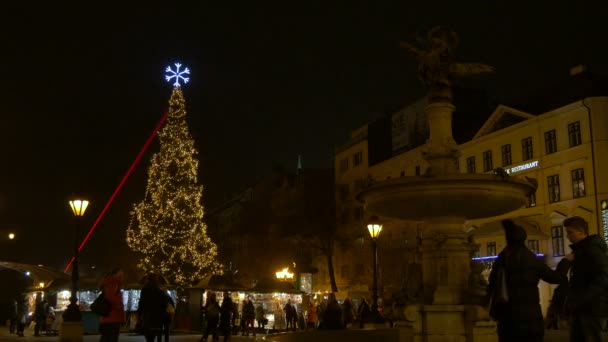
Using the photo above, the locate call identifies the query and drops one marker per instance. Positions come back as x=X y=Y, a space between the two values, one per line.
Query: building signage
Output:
x=522 y=167
x=605 y=219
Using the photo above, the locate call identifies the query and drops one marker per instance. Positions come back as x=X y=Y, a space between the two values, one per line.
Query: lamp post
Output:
x=72 y=313
x=375 y=227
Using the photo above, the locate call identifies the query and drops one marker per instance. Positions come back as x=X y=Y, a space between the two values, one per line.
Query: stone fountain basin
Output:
x=464 y=195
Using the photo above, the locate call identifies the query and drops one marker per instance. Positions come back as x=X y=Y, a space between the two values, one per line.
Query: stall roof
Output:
x=38 y=273
x=224 y=282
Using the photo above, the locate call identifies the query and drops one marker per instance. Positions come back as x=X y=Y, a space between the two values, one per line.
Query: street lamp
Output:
x=72 y=313
x=11 y=236
x=375 y=227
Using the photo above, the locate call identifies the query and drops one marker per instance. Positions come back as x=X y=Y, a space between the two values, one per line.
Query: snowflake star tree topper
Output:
x=177 y=74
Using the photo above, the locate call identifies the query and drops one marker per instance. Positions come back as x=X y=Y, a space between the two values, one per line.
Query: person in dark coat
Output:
x=152 y=308
x=170 y=312
x=520 y=319
x=226 y=310
x=21 y=315
x=363 y=312
x=212 y=312
x=332 y=316
x=347 y=313
x=587 y=298
x=14 y=315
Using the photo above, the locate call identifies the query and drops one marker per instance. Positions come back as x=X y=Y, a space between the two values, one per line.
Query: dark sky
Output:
x=82 y=88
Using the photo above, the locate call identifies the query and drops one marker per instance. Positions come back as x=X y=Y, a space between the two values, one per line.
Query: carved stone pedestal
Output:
x=71 y=332
x=449 y=323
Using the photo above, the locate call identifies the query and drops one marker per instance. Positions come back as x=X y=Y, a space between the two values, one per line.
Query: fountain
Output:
x=444 y=199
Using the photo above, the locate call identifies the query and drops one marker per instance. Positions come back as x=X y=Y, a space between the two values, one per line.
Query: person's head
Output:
x=152 y=279
x=514 y=234
x=577 y=228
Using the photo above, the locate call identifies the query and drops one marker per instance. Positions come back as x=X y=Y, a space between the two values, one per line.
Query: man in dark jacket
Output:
x=587 y=301
x=519 y=317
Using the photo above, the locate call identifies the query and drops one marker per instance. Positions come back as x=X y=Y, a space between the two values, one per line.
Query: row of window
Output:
x=357 y=160
x=527 y=150
x=533 y=245
x=557 y=242
x=578 y=187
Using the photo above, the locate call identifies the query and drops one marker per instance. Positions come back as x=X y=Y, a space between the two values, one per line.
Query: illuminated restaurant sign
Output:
x=522 y=167
x=605 y=219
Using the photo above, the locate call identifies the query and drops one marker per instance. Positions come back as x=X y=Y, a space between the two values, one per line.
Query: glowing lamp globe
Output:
x=374 y=226
x=79 y=206
x=11 y=236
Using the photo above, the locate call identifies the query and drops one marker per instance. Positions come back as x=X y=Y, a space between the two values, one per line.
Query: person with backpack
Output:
x=211 y=312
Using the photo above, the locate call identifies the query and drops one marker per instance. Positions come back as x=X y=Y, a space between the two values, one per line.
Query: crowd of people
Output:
x=579 y=302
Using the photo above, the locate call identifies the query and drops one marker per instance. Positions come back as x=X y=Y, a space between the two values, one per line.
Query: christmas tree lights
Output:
x=167 y=228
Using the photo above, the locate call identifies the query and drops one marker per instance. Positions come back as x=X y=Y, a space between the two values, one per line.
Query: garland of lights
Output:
x=167 y=228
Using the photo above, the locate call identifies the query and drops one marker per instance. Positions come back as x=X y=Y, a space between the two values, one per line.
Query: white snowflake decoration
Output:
x=177 y=74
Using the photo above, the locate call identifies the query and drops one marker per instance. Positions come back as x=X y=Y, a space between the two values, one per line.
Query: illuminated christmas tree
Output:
x=167 y=229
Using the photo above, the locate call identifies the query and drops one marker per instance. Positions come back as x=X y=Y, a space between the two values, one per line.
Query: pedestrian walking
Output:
x=514 y=277
x=587 y=297
x=170 y=312
x=226 y=310
x=332 y=316
x=14 y=315
x=152 y=308
x=348 y=315
x=211 y=312
x=109 y=326
x=311 y=316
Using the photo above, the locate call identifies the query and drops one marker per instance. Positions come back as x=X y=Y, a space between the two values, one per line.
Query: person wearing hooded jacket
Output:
x=520 y=319
x=587 y=295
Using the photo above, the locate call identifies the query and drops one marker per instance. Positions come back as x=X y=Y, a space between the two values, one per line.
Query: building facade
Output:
x=564 y=149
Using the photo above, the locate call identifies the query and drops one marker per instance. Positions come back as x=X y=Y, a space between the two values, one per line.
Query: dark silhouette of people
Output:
x=152 y=308
x=13 y=309
x=291 y=315
x=332 y=316
x=363 y=313
x=248 y=317
x=211 y=312
x=520 y=318
x=226 y=311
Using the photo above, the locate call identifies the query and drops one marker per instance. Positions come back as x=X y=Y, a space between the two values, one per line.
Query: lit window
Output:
x=527 y=152
x=506 y=155
x=550 y=142
x=471 y=165
x=557 y=238
x=578 y=183
x=533 y=246
x=491 y=248
x=487 y=161
x=574 y=134
x=357 y=158
x=553 y=186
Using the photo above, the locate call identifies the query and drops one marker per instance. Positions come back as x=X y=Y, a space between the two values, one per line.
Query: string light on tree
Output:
x=167 y=229
x=178 y=75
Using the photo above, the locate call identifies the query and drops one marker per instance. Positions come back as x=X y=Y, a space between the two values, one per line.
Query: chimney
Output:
x=579 y=69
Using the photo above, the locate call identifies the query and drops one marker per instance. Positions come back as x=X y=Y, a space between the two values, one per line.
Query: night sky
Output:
x=82 y=88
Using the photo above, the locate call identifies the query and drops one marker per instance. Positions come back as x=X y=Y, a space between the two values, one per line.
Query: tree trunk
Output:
x=329 y=252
